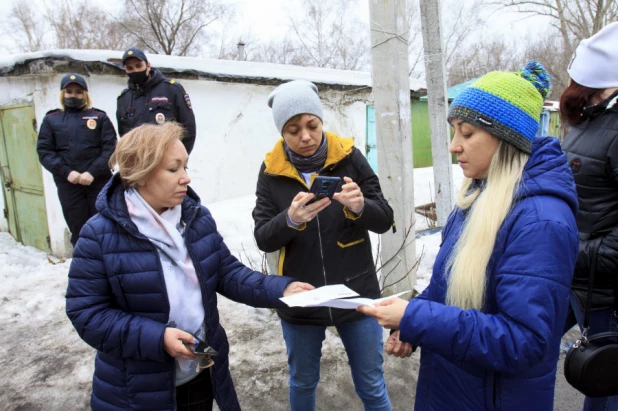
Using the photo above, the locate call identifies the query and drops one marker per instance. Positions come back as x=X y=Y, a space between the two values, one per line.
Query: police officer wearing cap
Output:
x=152 y=98
x=75 y=144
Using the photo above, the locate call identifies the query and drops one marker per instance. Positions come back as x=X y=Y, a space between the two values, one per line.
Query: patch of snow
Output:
x=44 y=365
x=214 y=67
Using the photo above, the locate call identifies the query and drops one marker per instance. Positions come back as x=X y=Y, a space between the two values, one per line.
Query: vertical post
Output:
x=431 y=24
x=391 y=91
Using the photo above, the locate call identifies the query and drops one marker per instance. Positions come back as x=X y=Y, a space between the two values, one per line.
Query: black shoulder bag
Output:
x=591 y=365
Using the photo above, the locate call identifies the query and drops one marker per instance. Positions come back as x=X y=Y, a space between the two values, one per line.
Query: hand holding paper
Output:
x=319 y=296
x=334 y=296
x=388 y=312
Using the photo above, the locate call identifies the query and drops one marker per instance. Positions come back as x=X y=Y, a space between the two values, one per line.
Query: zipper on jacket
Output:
x=348 y=279
x=317 y=217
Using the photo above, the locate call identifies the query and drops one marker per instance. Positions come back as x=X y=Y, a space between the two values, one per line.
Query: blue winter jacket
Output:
x=117 y=301
x=503 y=357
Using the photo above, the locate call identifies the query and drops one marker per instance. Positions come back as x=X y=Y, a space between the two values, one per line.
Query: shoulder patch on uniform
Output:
x=172 y=81
x=97 y=110
x=122 y=92
x=56 y=110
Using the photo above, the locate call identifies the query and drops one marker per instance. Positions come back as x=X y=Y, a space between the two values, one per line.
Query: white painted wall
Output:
x=234 y=131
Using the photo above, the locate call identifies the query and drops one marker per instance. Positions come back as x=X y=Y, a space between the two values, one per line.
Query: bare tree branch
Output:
x=575 y=19
x=172 y=27
x=26 y=27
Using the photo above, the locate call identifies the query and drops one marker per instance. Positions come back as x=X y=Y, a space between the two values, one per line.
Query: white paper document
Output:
x=320 y=295
x=335 y=296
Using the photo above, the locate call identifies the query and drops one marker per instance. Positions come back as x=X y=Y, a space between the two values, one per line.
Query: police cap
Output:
x=73 y=78
x=134 y=52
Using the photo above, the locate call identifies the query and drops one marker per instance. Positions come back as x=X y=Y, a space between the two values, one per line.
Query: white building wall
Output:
x=234 y=131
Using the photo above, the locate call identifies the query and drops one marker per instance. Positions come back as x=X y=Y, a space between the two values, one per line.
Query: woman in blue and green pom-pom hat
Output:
x=491 y=320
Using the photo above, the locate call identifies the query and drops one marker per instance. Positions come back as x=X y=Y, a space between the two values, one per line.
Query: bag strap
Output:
x=603 y=335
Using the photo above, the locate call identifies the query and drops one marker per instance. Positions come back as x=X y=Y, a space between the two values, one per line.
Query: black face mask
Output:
x=73 y=102
x=139 y=77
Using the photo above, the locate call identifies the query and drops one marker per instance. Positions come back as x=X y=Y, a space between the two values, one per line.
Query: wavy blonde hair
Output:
x=141 y=150
x=488 y=209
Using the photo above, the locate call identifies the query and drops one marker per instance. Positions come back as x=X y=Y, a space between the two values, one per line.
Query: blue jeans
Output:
x=600 y=321
x=363 y=342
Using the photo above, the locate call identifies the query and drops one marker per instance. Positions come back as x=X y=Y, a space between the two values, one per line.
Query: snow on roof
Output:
x=211 y=67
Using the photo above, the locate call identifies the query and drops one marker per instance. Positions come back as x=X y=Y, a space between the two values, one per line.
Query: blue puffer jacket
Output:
x=503 y=358
x=117 y=301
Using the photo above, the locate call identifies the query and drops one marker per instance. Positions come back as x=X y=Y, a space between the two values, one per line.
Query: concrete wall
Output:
x=234 y=131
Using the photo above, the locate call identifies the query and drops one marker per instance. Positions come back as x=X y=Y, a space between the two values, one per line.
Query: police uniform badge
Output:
x=91 y=124
x=188 y=101
x=72 y=77
x=160 y=118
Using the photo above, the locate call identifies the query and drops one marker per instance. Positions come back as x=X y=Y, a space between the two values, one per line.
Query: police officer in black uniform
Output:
x=152 y=98
x=75 y=144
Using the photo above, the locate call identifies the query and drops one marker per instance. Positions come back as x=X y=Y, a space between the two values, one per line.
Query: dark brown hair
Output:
x=573 y=101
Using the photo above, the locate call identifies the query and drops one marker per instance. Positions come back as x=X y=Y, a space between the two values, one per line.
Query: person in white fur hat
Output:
x=588 y=106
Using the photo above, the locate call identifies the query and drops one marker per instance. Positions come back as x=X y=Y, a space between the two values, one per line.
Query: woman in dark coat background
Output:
x=75 y=144
x=144 y=280
x=588 y=106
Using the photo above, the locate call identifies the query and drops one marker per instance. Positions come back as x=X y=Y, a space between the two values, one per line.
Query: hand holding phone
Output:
x=303 y=209
x=351 y=196
x=200 y=348
x=324 y=186
x=203 y=353
x=175 y=343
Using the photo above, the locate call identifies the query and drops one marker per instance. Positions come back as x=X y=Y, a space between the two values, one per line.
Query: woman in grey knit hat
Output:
x=324 y=242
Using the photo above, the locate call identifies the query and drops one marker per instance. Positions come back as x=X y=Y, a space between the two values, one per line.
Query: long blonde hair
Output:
x=488 y=209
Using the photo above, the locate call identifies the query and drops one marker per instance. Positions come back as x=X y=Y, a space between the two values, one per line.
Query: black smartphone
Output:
x=324 y=186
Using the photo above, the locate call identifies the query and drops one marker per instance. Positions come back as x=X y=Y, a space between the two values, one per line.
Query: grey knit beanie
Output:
x=293 y=98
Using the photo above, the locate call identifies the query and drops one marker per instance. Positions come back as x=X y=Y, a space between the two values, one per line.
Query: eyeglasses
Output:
x=204 y=357
x=203 y=362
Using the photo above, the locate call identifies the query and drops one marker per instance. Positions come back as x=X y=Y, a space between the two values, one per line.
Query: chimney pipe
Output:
x=241 y=51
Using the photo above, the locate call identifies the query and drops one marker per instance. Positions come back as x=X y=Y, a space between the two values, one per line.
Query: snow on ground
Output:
x=44 y=365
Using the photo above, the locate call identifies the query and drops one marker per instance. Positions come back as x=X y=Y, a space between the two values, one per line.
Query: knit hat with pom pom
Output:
x=506 y=104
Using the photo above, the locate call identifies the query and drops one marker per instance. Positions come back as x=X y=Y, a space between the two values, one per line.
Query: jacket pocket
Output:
x=350 y=244
x=119 y=293
x=61 y=137
x=88 y=139
x=160 y=112
x=350 y=237
x=352 y=277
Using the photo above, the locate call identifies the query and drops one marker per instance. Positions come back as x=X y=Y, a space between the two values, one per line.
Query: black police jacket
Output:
x=592 y=151
x=76 y=140
x=156 y=101
x=333 y=248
